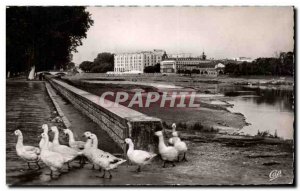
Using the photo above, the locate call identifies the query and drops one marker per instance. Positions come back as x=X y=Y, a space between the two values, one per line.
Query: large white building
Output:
x=136 y=62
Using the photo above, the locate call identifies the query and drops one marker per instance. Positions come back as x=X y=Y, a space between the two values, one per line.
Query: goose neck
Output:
x=131 y=147
x=173 y=129
x=46 y=130
x=46 y=142
x=161 y=142
x=55 y=139
x=88 y=143
x=71 y=137
x=20 y=140
x=95 y=142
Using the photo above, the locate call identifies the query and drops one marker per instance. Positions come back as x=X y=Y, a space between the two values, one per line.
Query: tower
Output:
x=164 y=56
x=203 y=56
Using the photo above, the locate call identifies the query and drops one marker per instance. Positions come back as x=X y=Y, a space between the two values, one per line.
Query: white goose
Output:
x=180 y=146
x=104 y=159
x=45 y=129
x=168 y=153
x=28 y=153
x=171 y=142
x=78 y=145
x=89 y=142
x=68 y=153
x=53 y=160
x=88 y=149
x=138 y=157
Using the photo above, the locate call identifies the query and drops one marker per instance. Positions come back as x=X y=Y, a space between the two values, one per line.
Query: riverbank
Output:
x=215 y=95
x=213 y=159
x=194 y=81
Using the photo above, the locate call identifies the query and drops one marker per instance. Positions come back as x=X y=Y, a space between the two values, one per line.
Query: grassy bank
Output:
x=208 y=117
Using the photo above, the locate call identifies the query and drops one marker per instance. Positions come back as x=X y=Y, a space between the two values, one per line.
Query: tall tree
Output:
x=43 y=37
x=86 y=66
x=104 y=62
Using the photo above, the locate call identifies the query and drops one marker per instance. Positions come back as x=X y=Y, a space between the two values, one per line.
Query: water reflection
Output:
x=269 y=110
x=279 y=98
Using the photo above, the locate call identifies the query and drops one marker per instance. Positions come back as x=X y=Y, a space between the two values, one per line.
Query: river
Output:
x=265 y=108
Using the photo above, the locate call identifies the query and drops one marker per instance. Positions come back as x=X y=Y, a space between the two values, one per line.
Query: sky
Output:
x=222 y=32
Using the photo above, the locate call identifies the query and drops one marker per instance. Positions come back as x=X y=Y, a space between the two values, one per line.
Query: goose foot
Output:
x=69 y=168
x=110 y=176
x=128 y=163
x=28 y=164
x=103 y=176
x=80 y=160
x=138 y=169
x=164 y=166
x=37 y=163
x=50 y=174
x=93 y=168
x=184 y=158
x=100 y=169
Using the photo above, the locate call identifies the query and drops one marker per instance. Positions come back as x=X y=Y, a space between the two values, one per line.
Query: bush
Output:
x=263 y=133
x=182 y=126
x=197 y=126
x=152 y=69
x=165 y=125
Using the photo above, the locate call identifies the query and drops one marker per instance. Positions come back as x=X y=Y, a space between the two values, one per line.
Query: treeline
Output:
x=282 y=66
x=152 y=69
x=103 y=63
x=43 y=37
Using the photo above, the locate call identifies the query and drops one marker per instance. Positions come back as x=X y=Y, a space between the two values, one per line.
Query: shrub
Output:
x=198 y=126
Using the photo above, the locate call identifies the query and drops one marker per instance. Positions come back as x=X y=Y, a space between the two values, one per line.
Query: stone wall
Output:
x=118 y=121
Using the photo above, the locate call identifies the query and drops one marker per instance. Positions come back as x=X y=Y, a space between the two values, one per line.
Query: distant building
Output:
x=128 y=62
x=198 y=65
x=243 y=59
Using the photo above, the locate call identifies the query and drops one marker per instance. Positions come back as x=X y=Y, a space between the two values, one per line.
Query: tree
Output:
x=152 y=69
x=86 y=66
x=264 y=66
x=69 y=66
x=43 y=37
x=195 y=71
x=103 y=63
x=231 y=68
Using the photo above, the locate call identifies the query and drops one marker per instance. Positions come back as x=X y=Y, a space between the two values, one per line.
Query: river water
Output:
x=265 y=108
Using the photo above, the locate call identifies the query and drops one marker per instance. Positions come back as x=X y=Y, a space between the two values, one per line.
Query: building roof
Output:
x=155 y=51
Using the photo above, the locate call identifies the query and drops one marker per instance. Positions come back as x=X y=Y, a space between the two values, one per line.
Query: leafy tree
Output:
x=152 y=69
x=264 y=66
x=69 y=66
x=195 y=71
x=104 y=62
x=43 y=37
x=86 y=66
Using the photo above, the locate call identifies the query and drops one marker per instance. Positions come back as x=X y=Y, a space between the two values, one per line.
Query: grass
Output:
x=194 y=127
x=266 y=134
